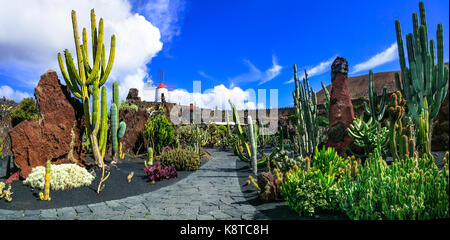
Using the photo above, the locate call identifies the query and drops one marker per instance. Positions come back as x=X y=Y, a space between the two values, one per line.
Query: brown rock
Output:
x=133 y=95
x=56 y=135
x=341 y=108
x=134 y=139
x=5 y=127
x=269 y=189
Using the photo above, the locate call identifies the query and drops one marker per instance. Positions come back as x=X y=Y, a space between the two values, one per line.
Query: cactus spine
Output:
x=46 y=195
x=306 y=115
x=85 y=81
x=423 y=79
x=253 y=144
x=376 y=109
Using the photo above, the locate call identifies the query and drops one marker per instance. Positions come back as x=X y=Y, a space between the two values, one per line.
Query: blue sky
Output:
x=253 y=44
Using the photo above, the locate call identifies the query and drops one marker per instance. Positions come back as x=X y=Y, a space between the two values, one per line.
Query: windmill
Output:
x=162 y=91
x=161 y=78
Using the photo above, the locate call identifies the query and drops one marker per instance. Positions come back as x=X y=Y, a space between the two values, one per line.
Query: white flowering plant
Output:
x=62 y=177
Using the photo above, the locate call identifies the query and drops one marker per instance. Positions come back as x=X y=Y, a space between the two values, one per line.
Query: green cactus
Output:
x=327 y=97
x=104 y=124
x=114 y=127
x=423 y=139
x=117 y=129
x=365 y=136
x=306 y=113
x=85 y=81
x=376 y=109
x=423 y=79
x=150 y=156
x=253 y=144
x=246 y=154
x=401 y=138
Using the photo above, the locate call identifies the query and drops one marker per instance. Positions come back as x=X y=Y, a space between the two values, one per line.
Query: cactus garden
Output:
x=91 y=144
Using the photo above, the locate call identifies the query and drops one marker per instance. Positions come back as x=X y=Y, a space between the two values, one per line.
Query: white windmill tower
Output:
x=161 y=91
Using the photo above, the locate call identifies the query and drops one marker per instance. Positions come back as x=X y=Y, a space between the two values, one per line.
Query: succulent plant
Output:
x=84 y=82
x=181 y=159
x=159 y=131
x=424 y=78
x=306 y=115
x=158 y=172
x=46 y=195
x=365 y=135
x=413 y=188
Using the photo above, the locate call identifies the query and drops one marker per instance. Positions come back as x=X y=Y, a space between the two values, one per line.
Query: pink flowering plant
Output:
x=157 y=172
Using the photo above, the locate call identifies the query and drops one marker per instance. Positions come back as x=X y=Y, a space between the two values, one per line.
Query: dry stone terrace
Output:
x=212 y=192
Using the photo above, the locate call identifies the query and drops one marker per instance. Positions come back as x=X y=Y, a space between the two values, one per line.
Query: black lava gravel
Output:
x=116 y=187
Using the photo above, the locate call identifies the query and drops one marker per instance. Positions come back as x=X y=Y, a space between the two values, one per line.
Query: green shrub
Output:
x=306 y=193
x=408 y=189
x=309 y=191
x=159 y=131
x=365 y=135
x=126 y=104
x=213 y=135
x=27 y=110
x=189 y=137
x=222 y=129
x=329 y=162
x=181 y=159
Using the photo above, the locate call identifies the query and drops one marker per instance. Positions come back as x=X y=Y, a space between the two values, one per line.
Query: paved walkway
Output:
x=212 y=192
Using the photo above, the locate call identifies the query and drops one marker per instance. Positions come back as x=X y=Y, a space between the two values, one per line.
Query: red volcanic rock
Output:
x=56 y=135
x=133 y=95
x=341 y=108
x=134 y=139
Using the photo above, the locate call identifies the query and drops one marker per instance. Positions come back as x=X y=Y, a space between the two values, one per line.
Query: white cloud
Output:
x=316 y=70
x=272 y=72
x=387 y=55
x=203 y=74
x=41 y=29
x=255 y=74
x=216 y=97
x=164 y=14
x=9 y=93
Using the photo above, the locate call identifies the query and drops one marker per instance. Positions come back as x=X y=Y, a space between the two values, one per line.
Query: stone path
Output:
x=212 y=192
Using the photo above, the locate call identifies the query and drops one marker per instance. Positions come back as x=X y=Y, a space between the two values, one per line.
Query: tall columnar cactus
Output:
x=117 y=129
x=253 y=144
x=376 y=109
x=46 y=195
x=327 y=98
x=423 y=140
x=150 y=156
x=104 y=124
x=246 y=153
x=401 y=138
x=237 y=125
x=84 y=82
x=306 y=115
x=423 y=78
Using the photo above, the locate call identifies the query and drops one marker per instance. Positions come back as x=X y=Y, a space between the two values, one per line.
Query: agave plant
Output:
x=365 y=134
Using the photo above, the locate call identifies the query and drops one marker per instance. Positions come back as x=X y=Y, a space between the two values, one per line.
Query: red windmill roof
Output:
x=161 y=85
